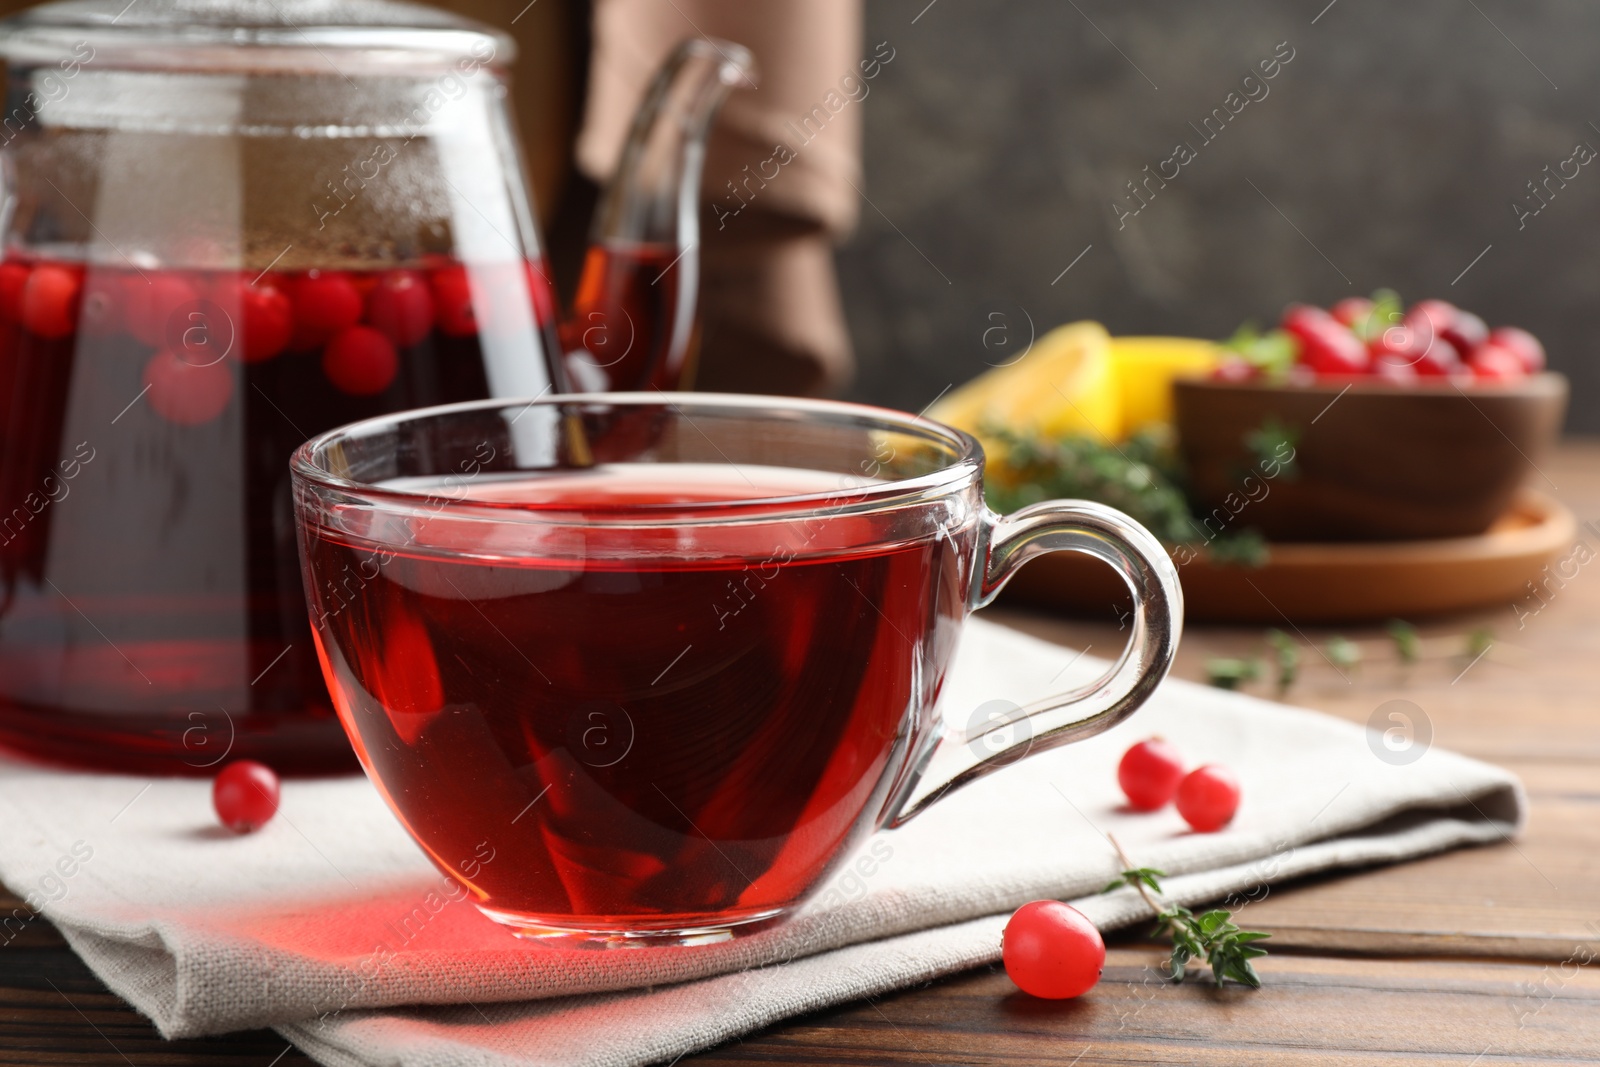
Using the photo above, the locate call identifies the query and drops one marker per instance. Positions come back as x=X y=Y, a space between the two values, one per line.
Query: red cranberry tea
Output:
x=151 y=600
x=626 y=332
x=649 y=735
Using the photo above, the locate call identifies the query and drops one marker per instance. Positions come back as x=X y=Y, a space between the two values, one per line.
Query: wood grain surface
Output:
x=1469 y=958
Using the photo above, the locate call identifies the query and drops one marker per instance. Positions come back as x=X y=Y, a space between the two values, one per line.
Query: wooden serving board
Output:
x=1344 y=582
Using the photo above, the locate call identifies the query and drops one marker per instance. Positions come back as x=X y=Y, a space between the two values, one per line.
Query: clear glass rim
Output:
x=330 y=50
x=963 y=467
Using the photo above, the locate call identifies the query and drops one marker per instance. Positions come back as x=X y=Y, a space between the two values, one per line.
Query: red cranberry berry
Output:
x=13 y=277
x=185 y=393
x=1414 y=348
x=1523 y=343
x=1463 y=330
x=1208 y=798
x=1326 y=345
x=152 y=300
x=1399 y=368
x=452 y=303
x=49 y=301
x=1439 y=314
x=1149 y=773
x=1466 y=333
x=401 y=307
x=267 y=322
x=325 y=302
x=245 y=795
x=1496 y=363
x=1235 y=369
x=1353 y=311
x=1051 y=950
x=360 y=361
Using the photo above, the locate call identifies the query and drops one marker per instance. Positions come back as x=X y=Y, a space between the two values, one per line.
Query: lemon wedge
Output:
x=1064 y=385
x=1145 y=368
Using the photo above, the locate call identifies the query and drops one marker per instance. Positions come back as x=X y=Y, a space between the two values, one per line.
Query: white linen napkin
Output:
x=331 y=911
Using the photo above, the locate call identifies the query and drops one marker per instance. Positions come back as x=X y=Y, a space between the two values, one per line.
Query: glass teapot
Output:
x=229 y=227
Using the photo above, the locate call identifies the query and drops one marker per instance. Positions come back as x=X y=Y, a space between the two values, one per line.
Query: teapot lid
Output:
x=312 y=36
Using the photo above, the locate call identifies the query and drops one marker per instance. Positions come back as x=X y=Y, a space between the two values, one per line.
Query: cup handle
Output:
x=1011 y=541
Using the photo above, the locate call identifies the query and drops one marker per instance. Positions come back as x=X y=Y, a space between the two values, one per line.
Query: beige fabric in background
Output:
x=770 y=307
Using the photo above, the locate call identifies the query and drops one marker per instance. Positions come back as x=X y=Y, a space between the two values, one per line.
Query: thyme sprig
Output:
x=1211 y=936
x=1287 y=659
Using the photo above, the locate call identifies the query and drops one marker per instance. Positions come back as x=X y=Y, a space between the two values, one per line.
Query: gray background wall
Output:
x=1395 y=142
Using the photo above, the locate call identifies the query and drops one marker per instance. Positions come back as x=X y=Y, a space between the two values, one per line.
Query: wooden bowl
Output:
x=1372 y=461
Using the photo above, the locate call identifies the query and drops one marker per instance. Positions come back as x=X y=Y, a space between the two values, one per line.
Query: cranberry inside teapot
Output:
x=236 y=226
x=152 y=615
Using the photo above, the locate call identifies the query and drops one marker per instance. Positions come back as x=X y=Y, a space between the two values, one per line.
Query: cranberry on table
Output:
x=268 y=322
x=245 y=795
x=401 y=307
x=1051 y=950
x=1208 y=798
x=360 y=361
x=48 y=304
x=1149 y=773
x=1326 y=345
x=1523 y=343
x=184 y=393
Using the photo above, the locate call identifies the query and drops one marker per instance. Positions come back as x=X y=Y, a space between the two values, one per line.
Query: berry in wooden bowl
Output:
x=1369 y=423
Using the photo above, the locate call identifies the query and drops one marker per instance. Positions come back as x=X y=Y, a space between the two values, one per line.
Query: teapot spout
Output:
x=633 y=323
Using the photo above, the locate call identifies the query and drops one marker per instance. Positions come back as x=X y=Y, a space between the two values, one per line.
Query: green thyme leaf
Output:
x=1136 y=877
x=1225 y=673
x=1287 y=656
x=1268 y=445
x=1407 y=645
x=1272 y=353
x=1342 y=653
x=1139 y=476
x=1213 y=936
x=1387 y=311
x=1245 y=547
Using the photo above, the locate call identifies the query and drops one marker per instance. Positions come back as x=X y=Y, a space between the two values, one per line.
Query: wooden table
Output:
x=1474 y=957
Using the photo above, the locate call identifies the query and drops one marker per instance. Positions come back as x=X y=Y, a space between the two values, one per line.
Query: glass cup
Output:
x=640 y=670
